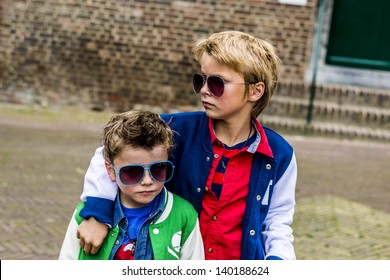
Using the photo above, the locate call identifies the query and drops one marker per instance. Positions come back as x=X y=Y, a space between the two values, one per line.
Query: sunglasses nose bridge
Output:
x=206 y=85
x=147 y=176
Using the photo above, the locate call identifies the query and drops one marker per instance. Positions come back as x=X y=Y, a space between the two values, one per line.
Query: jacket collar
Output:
x=260 y=145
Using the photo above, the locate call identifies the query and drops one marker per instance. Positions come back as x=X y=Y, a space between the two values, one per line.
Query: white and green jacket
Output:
x=171 y=233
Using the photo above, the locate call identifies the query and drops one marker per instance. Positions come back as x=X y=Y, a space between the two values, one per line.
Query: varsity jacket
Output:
x=170 y=233
x=269 y=211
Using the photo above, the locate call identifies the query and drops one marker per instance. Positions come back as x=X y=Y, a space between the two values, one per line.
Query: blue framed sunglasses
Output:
x=132 y=174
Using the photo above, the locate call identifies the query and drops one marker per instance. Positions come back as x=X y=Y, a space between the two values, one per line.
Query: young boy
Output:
x=149 y=222
x=239 y=175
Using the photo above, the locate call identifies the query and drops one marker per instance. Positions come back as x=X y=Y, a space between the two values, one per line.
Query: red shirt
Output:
x=226 y=191
x=224 y=201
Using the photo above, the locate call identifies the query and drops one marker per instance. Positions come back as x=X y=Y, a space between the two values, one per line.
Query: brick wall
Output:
x=119 y=53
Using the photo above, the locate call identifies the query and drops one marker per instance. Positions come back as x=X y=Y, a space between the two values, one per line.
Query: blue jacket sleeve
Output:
x=99 y=208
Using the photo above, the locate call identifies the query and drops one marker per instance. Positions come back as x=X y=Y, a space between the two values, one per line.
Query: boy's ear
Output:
x=256 y=91
x=110 y=170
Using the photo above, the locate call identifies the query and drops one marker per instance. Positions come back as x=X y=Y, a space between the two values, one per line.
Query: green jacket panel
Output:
x=173 y=229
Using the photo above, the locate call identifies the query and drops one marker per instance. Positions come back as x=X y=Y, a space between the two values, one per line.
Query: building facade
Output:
x=121 y=53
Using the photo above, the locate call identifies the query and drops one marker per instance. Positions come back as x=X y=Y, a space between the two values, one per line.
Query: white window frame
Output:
x=293 y=2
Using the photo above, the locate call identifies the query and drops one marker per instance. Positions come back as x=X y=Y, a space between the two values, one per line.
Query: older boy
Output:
x=149 y=222
x=239 y=175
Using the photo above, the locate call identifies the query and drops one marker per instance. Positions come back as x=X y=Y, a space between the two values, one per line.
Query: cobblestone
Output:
x=329 y=227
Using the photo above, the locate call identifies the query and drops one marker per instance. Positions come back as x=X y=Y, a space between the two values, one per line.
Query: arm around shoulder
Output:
x=99 y=191
x=96 y=180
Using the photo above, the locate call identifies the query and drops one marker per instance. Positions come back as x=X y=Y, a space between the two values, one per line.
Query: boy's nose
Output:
x=205 y=90
x=147 y=179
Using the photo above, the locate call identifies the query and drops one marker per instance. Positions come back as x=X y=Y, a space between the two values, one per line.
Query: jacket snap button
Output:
x=156 y=231
x=252 y=232
x=216 y=156
x=268 y=166
x=198 y=189
x=207 y=158
x=258 y=197
x=210 y=250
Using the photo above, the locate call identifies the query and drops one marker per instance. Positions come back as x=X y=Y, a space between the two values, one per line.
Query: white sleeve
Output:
x=192 y=248
x=96 y=180
x=71 y=246
x=278 y=236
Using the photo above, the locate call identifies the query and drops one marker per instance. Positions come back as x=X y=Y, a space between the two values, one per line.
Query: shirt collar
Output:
x=260 y=145
x=213 y=136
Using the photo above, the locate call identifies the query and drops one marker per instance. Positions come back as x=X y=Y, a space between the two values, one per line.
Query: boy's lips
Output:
x=146 y=192
x=206 y=104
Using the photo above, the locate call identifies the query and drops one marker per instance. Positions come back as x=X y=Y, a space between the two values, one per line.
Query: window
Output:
x=360 y=34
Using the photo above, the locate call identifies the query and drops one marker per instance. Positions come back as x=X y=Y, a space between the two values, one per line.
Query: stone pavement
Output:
x=332 y=228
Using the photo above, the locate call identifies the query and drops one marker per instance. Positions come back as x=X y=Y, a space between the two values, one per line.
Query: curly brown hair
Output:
x=140 y=129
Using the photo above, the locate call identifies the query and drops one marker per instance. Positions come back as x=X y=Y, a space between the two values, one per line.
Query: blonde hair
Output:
x=140 y=129
x=254 y=58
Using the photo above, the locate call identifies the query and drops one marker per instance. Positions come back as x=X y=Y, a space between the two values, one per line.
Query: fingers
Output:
x=87 y=249
x=82 y=242
x=94 y=249
x=91 y=234
x=88 y=246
